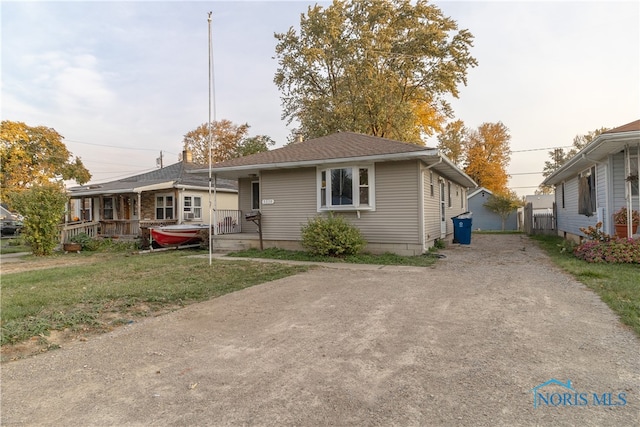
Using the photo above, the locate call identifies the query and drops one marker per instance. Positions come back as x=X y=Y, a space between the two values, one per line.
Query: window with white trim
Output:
x=255 y=195
x=164 y=206
x=449 y=192
x=192 y=207
x=346 y=188
x=587 y=192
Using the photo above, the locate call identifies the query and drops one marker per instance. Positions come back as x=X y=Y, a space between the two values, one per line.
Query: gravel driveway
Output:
x=462 y=343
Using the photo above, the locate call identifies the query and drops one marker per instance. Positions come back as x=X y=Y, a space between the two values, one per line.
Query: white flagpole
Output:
x=210 y=78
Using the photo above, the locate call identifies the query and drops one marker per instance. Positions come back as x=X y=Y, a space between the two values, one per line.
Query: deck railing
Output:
x=68 y=231
x=229 y=221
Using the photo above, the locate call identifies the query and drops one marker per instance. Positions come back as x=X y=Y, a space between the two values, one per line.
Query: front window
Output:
x=192 y=207
x=107 y=212
x=587 y=192
x=164 y=207
x=345 y=187
x=255 y=195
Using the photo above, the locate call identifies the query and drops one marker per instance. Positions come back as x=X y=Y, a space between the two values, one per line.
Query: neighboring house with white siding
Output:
x=599 y=180
x=401 y=196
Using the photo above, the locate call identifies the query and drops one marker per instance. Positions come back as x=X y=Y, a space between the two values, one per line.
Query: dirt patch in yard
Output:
x=464 y=343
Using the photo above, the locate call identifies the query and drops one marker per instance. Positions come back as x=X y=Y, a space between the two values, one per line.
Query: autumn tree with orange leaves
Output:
x=484 y=153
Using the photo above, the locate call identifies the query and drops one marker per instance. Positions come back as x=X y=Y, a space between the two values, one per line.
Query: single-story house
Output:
x=484 y=219
x=169 y=195
x=401 y=196
x=599 y=180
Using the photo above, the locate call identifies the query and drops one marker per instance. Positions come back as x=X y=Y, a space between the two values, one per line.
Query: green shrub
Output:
x=43 y=208
x=83 y=239
x=331 y=236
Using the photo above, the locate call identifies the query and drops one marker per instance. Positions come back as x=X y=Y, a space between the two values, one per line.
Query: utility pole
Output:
x=159 y=161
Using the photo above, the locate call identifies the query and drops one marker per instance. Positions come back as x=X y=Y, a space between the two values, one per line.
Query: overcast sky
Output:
x=122 y=81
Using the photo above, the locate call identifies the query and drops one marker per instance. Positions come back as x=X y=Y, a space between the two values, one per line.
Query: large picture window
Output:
x=587 y=192
x=164 y=207
x=345 y=188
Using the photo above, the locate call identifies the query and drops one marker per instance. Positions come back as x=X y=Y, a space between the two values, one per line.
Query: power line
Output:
x=541 y=149
x=115 y=146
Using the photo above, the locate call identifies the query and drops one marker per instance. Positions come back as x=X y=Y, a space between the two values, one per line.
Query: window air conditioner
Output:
x=188 y=216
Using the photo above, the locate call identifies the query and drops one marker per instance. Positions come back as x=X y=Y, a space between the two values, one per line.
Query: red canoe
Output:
x=177 y=235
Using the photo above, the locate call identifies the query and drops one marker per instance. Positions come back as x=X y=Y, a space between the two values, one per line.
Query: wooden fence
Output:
x=539 y=222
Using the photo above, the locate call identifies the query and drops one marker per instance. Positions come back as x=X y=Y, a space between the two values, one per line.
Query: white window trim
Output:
x=165 y=195
x=193 y=207
x=371 y=206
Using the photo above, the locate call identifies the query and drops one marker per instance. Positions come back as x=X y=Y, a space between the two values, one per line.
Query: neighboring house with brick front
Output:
x=401 y=196
x=169 y=195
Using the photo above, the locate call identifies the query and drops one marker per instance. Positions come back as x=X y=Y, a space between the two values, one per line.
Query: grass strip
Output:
x=102 y=294
x=425 y=260
x=618 y=285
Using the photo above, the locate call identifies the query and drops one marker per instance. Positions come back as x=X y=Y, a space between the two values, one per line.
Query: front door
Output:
x=443 y=211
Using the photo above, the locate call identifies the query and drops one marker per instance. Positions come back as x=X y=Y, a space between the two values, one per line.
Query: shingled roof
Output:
x=339 y=147
x=335 y=146
x=625 y=128
x=172 y=176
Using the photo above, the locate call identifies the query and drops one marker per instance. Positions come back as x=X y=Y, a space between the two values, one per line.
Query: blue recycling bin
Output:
x=462 y=228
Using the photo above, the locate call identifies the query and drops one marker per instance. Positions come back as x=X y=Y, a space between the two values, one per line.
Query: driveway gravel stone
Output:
x=459 y=344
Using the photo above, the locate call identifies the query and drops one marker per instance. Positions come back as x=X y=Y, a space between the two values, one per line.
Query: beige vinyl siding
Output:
x=455 y=208
x=431 y=216
x=294 y=194
x=396 y=218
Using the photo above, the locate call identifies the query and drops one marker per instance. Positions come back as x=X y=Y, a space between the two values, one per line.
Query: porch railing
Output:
x=68 y=231
x=229 y=221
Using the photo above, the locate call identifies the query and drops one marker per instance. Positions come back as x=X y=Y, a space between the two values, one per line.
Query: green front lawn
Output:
x=118 y=289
